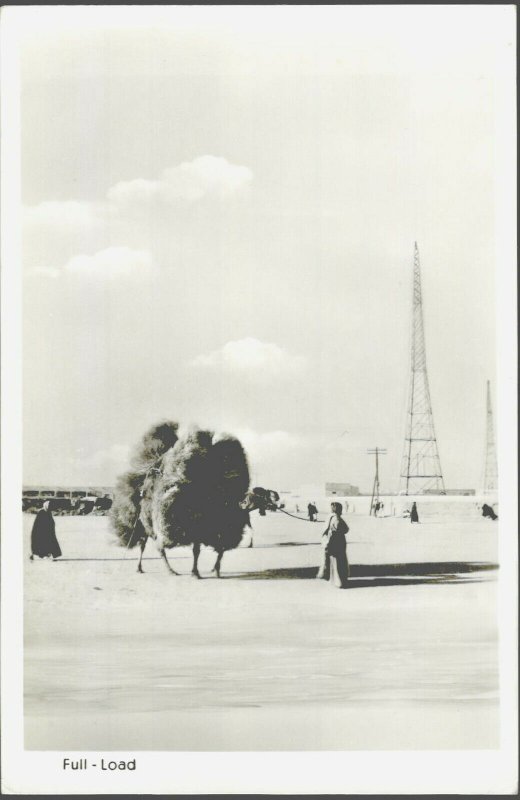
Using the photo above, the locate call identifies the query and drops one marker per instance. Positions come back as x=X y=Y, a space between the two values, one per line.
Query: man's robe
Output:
x=43 y=536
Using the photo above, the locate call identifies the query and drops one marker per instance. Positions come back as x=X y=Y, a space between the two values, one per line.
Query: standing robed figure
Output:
x=43 y=536
x=334 y=566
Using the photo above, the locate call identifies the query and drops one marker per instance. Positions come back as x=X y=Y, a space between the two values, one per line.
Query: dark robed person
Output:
x=334 y=566
x=43 y=536
x=488 y=511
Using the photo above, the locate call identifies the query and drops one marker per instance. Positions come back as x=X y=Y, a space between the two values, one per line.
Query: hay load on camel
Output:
x=183 y=491
x=127 y=495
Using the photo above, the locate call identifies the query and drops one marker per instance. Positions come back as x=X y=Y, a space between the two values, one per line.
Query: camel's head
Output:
x=261 y=499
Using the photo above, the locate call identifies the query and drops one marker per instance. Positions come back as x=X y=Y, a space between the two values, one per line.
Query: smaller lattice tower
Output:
x=490 y=477
x=420 y=466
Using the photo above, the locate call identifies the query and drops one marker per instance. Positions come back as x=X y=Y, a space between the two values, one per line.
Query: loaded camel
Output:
x=181 y=492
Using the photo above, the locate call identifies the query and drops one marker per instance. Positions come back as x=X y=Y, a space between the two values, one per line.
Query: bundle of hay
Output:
x=126 y=507
x=189 y=494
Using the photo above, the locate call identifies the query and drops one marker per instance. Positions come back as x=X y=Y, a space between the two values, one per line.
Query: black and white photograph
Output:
x=259 y=399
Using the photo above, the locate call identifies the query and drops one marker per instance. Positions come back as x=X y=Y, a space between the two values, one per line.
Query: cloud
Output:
x=69 y=216
x=138 y=190
x=273 y=455
x=112 y=264
x=205 y=176
x=45 y=272
x=116 y=456
x=253 y=357
x=264 y=446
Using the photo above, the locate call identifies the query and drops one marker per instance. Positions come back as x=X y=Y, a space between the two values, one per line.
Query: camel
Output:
x=189 y=494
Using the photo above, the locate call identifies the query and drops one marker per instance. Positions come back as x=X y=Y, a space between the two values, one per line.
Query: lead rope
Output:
x=303 y=519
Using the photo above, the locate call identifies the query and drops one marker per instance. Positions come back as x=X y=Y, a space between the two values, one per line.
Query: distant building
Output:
x=452 y=492
x=341 y=490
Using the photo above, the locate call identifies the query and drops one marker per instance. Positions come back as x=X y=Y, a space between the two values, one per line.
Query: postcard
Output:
x=259 y=400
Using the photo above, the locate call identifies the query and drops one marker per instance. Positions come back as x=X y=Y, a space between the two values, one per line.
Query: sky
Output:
x=219 y=214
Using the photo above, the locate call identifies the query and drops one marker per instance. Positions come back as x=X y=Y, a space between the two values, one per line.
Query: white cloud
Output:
x=115 y=456
x=205 y=176
x=138 y=190
x=112 y=263
x=272 y=455
x=254 y=357
x=45 y=272
x=67 y=216
x=265 y=446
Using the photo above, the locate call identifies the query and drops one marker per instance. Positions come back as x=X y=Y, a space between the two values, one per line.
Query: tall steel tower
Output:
x=420 y=468
x=377 y=451
x=490 y=480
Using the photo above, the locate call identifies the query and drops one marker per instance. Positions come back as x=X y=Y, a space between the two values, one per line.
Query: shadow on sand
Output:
x=366 y=575
x=361 y=575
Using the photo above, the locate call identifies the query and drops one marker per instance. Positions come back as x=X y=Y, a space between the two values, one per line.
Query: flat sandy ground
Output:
x=267 y=657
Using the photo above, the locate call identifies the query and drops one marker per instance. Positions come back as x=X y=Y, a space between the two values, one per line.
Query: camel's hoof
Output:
x=195 y=575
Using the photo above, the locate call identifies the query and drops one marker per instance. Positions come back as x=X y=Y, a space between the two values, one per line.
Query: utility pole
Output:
x=420 y=468
x=378 y=451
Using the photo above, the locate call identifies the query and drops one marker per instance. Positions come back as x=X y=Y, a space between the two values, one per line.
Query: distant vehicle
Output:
x=103 y=503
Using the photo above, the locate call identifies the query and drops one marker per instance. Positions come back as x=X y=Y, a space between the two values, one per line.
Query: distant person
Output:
x=297 y=507
x=334 y=566
x=377 y=506
x=414 y=514
x=312 y=512
x=487 y=511
x=44 y=543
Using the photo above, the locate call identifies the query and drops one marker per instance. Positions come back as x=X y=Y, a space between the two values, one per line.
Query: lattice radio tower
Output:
x=377 y=451
x=420 y=468
x=490 y=480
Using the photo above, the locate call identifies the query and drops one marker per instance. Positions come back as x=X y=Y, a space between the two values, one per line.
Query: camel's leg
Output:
x=251 y=531
x=216 y=568
x=163 y=555
x=196 y=553
x=142 y=545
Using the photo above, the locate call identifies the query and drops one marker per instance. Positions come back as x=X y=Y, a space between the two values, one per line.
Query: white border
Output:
x=485 y=772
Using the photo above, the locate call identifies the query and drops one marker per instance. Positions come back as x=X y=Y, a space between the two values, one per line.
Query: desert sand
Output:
x=267 y=657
